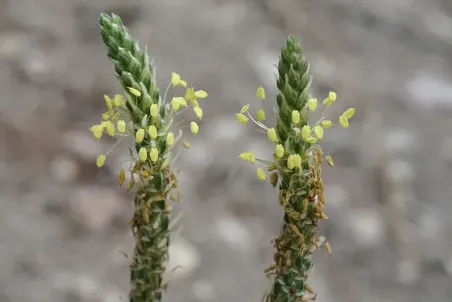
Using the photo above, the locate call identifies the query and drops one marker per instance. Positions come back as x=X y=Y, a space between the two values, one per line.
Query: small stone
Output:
x=264 y=63
x=399 y=140
x=399 y=171
x=184 y=258
x=198 y=155
x=428 y=90
x=445 y=151
x=204 y=290
x=234 y=233
x=225 y=129
x=366 y=227
x=407 y=272
x=337 y=197
x=95 y=208
x=64 y=169
x=83 y=144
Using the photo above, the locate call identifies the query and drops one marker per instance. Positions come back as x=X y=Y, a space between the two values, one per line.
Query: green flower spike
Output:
x=297 y=169
x=146 y=116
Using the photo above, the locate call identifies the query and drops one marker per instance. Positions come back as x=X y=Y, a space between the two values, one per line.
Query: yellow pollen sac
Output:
x=97 y=131
x=100 y=160
x=142 y=154
x=110 y=128
x=318 y=130
x=154 y=110
x=296 y=118
x=245 y=108
x=121 y=126
x=152 y=132
x=249 y=156
x=297 y=160
x=198 y=112
x=279 y=151
x=312 y=104
x=306 y=132
x=343 y=121
x=134 y=91
x=139 y=136
x=272 y=134
x=175 y=79
x=261 y=174
x=170 y=139
x=194 y=127
x=326 y=124
x=260 y=93
x=260 y=115
x=291 y=162
x=241 y=118
x=201 y=94
x=349 y=113
x=154 y=155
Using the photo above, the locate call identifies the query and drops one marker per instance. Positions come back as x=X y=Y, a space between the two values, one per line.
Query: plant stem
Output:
x=150 y=222
x=300 y=190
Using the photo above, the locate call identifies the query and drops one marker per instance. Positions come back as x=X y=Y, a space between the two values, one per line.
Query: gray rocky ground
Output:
x=63 y=223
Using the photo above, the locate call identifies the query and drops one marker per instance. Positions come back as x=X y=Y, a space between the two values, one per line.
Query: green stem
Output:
x=150 y=222
x=301 y=190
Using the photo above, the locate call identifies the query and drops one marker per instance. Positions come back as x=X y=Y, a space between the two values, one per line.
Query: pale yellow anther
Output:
x=241 y=118
x=245 y=108
x=312 y=104
x=201 y=94
x=343 y=121
x=349 y=113
x=279 y=151
x=190 y=94
x=142 y=154
x=332 y=96
x=110 y=128
x=329 y=160
x=260 y=93
x=249 y=156
x=170 y=139
x=118 y=100
x=154 y=154
x=271 y=132
x=175 y=79
x=291 y=162
x=326 y=124
x=183 y=83
x=154 y=110
x=296 y=118
x=198 y=112
x=318 y=130
x=194 y=127
x=261 y=174
x=260 y=115
x=109 y=102
x=330 y=99
x=306 y=132
x=139 y=136
x=152 y=130
x=311 y=140
x=134 y=91
x=100 y=160
x=121 y=126
x=297 y=160
x=177 y=102
x=97 y=131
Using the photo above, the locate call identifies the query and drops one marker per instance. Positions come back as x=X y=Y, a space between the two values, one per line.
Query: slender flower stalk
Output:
x=141 y=113
x=296 y=169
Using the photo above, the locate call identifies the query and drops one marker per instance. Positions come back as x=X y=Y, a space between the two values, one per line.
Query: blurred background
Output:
x=63 y=222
